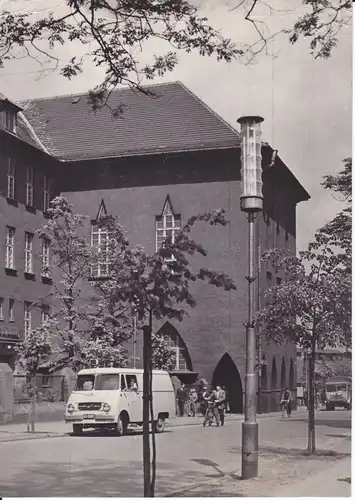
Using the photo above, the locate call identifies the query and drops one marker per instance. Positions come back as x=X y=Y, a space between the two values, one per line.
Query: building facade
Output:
x=26 y=188
x=163 y=160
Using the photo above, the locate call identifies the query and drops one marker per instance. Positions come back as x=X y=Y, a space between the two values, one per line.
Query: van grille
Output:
x=89 y=406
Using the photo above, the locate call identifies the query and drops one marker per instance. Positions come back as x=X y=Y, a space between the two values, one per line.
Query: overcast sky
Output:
x=306 y=103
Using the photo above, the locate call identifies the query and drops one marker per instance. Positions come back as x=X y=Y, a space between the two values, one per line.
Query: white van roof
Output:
x=131 y=371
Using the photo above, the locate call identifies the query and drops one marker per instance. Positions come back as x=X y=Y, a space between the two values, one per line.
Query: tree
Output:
x=71 y=260
x=32 y=352
x=309 y=308
x=318 y=21
x=163 y=356
x=159 y=287
x=113 y=33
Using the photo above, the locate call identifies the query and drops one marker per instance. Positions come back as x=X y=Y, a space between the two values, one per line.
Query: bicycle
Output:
x=286 y=408
x=209 y=415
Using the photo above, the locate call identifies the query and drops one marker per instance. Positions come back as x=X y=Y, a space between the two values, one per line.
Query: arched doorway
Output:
x=226 y=373
x=292 y=375
x=273 y=374
x=274 y=396
x=283 y=375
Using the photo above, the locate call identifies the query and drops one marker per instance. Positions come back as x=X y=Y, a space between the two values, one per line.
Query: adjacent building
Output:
x=164 y=159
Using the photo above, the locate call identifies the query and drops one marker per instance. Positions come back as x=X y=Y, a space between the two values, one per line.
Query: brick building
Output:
x=26 y=187
x=164 y=159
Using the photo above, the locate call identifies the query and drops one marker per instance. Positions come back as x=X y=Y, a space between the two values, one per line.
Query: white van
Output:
x=112 y=398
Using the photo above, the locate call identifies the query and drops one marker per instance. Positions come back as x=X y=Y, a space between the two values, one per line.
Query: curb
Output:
x=47 y=434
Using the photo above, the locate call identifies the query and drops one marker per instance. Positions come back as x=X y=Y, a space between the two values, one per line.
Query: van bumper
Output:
x=99 y=419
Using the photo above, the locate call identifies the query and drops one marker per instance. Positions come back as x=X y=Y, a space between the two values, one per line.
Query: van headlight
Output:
x=106 y=407
x=70 y=408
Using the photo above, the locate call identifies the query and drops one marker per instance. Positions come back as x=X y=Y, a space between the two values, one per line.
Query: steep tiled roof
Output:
x=174 y=120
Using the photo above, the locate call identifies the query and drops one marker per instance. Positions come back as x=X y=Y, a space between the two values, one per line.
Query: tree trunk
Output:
x=311 y=448
x=31 y=420
x=154 y=451
x=147 y=339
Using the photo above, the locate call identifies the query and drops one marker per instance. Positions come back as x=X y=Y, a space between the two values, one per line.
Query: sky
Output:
x=306 y=103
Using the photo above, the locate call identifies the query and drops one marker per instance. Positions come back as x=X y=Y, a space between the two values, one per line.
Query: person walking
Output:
x=182 y=399
x=192 y=402
x=220 y=403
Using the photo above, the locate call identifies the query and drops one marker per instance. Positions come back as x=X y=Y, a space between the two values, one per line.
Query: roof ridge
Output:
x=81 y=94
x=200 y=101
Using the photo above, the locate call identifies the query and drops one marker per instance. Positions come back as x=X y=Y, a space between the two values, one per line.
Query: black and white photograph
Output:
x=175 y=248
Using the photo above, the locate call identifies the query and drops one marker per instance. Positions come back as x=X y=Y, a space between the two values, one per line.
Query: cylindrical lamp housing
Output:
x=251 y=199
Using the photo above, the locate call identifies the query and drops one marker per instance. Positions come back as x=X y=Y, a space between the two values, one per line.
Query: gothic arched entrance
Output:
x=283 y=375
x=226 y=373
x=292 y=375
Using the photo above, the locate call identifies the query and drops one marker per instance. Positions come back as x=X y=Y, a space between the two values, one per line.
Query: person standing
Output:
x=220 y=404
x=192 y=402
x=182 y=398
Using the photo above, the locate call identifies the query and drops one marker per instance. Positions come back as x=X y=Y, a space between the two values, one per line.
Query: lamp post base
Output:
x=250 y=447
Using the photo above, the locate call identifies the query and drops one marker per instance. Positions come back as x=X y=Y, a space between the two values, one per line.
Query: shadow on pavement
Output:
x=345 y=480
x=344 y=423
x=344 y=436
x=115 y=479
x=292 y=453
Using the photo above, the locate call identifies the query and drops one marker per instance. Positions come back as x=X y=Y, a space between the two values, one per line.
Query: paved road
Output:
x=96 y=465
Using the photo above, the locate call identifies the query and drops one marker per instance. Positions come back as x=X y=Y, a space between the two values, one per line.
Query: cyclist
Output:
x=286 y=402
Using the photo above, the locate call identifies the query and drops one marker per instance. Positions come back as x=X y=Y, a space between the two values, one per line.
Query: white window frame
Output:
x=10 y=248
x=1 y=308
x=29 y=252
x=45 y=257
x=27 y=318
x=100 y=233
x=174 y=341
x=11 y=178
x=29 y=187
x=46 y=193
x=44 y=315
x=166 y=225
x=10 y=120
x=11 y=310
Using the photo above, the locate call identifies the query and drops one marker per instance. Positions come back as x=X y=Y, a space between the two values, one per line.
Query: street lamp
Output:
x=251 y=201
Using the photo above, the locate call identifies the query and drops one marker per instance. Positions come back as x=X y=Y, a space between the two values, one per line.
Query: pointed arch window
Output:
x=182 y=358
x=167 y=225
x=99 y=243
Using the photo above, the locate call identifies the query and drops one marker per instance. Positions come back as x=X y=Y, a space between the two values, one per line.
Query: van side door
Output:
x=134 y=396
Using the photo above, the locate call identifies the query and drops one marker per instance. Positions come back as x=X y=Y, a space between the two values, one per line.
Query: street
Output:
x=188 y=459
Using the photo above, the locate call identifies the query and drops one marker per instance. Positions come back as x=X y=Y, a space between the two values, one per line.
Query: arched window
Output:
x=167 y=224
x=273 y=374
x=99 y=243
x=175 y=342
x=283 y=374
x=292 y=375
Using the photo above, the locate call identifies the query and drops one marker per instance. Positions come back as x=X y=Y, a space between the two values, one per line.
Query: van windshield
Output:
x=331 y=388
x=100 y=382
x=341 y=387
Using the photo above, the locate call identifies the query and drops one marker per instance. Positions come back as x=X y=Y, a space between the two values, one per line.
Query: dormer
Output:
x=8 y=114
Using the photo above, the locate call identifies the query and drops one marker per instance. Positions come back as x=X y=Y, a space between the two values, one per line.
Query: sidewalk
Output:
x=16 y=432
x=333 y=481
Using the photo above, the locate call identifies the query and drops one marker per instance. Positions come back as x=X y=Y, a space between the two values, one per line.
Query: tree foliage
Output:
x=163 y=355
x=71 y=260
x=318 y=21
x=113 y=33
x=311 y=307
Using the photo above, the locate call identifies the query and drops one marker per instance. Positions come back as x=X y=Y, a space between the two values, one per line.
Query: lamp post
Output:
x=251 y=201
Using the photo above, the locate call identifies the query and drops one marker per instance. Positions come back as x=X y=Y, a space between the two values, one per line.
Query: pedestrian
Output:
x=220 y=403
x=182 y=399
x=209 y=400
x=192 y=402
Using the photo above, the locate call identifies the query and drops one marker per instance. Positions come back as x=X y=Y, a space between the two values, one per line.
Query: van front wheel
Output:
x=121 y=425
x=77 y=429
x=160 y=425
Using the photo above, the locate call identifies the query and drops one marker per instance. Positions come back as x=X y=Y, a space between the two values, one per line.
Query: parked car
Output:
x=111 y=398
x=338 y=393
